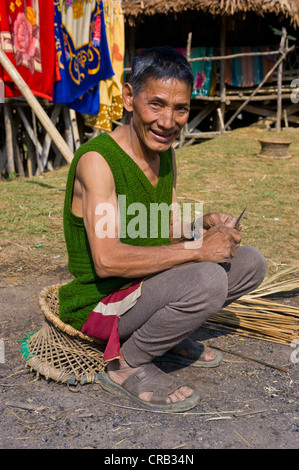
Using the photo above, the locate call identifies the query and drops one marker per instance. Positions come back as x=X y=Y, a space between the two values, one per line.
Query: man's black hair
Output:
x=160 y=63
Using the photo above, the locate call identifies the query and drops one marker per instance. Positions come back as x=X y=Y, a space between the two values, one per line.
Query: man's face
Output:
x=160 y=111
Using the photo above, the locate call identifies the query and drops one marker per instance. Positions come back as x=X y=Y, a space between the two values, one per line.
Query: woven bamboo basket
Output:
x=60 y=352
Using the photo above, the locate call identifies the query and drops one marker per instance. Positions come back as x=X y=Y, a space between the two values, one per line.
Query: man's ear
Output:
x=127 y=95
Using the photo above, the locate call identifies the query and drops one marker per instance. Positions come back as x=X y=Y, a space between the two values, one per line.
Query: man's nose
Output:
x=166 y=118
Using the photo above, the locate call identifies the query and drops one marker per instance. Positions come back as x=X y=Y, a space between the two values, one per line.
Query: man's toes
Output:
x=178 y=395
x=146 y=396
x=181 y=394
x=209 y=354
x=187 y=391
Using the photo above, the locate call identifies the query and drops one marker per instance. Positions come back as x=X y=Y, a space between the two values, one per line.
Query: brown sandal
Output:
x=195 y=351
x=150 y=378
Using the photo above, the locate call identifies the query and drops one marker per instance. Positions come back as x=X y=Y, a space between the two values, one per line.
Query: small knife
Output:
x=240 y=217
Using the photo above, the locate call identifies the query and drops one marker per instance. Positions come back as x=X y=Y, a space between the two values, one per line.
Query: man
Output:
x=177 y=284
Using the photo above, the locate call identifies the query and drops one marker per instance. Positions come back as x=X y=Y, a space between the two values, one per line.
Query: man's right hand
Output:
x=219 y=244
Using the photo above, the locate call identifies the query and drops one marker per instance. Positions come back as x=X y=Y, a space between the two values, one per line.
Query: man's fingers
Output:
x=235 y=234
x=232 y=232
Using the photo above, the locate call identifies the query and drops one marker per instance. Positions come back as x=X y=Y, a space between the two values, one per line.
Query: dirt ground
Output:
x=244 y=405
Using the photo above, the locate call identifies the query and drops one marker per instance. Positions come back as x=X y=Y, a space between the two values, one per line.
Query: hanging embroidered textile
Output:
x=27 y=38
x=110 y=90
x=247 y=71
x=82 y=52
x=204 y=71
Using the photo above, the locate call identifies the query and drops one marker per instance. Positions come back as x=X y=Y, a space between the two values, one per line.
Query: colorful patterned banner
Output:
x=82 y=53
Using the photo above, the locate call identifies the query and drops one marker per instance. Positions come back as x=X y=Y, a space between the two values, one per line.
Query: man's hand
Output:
x=219 y=244
x=214 y=219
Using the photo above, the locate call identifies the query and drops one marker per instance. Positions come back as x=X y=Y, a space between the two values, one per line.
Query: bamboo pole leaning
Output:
x=36 y=107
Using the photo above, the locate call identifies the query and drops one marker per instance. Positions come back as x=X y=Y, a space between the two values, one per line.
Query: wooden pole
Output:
x=47 y=141
x=37 y=146
x=31 y=161
x=68 y=129
x=33 y=137
x=279 y=81
x=188 y=52
x=10 y=163
x=75 y=130
x=285 y=116
x=34 y=104
x=16 y=150
x=222 y=68
x=234 y=56
x=221 y=123
x=188 y=56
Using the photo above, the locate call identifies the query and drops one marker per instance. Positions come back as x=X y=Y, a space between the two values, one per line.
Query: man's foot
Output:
x=189 y=352
x=119 y=371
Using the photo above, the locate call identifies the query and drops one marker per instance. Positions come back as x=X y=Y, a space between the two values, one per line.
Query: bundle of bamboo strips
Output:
x=261 y=318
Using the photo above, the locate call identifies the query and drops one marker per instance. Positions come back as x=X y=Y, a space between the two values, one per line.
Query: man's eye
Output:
x=155 y=105
x=182 y=110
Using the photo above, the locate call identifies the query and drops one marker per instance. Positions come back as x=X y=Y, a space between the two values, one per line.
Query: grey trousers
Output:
x=176 y=302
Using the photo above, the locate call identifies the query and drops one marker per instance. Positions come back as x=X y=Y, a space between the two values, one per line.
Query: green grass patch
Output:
x=31 y=211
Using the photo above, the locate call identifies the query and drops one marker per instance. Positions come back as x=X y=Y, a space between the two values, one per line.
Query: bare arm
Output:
x=96 y=191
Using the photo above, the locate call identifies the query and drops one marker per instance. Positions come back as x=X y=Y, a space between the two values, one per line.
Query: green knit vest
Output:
x=144 y=202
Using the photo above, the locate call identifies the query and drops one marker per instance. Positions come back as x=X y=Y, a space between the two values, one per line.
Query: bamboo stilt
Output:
x=17 y=154
x=37 y=146
x=10 y=164
x=38 y=150
x=18 y=159
x=18 y=164
x=75 y=128
x=31 y=160
x=279 y=81
x=68 y=128
x=222 y=68
x=2 y=159
x=48 y=140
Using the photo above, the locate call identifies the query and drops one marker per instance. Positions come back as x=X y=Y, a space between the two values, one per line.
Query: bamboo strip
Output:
x=234 y=56
x=256 y=325
x=249 y=334
x=254 y=316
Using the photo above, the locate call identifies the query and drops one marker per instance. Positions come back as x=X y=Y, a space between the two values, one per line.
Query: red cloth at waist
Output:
x=102 y=322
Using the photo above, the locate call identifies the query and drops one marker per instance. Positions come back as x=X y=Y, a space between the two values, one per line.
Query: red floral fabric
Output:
x=27 y=38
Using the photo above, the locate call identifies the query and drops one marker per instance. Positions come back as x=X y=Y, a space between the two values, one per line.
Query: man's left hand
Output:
x=219 y=218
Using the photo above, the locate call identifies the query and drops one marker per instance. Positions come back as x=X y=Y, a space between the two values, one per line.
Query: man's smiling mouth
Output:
x=162 y=136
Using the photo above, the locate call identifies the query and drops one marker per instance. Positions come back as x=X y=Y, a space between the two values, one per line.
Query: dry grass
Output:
x=31 y=232
x=226 y=175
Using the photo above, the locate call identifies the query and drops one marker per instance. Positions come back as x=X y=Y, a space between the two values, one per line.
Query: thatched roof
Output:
x=134 y=9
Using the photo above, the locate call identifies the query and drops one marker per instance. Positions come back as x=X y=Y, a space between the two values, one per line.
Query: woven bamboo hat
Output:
x=60 y=352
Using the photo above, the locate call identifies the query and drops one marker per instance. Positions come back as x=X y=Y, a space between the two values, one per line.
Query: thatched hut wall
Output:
x=137 y=10
x=222 y=24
